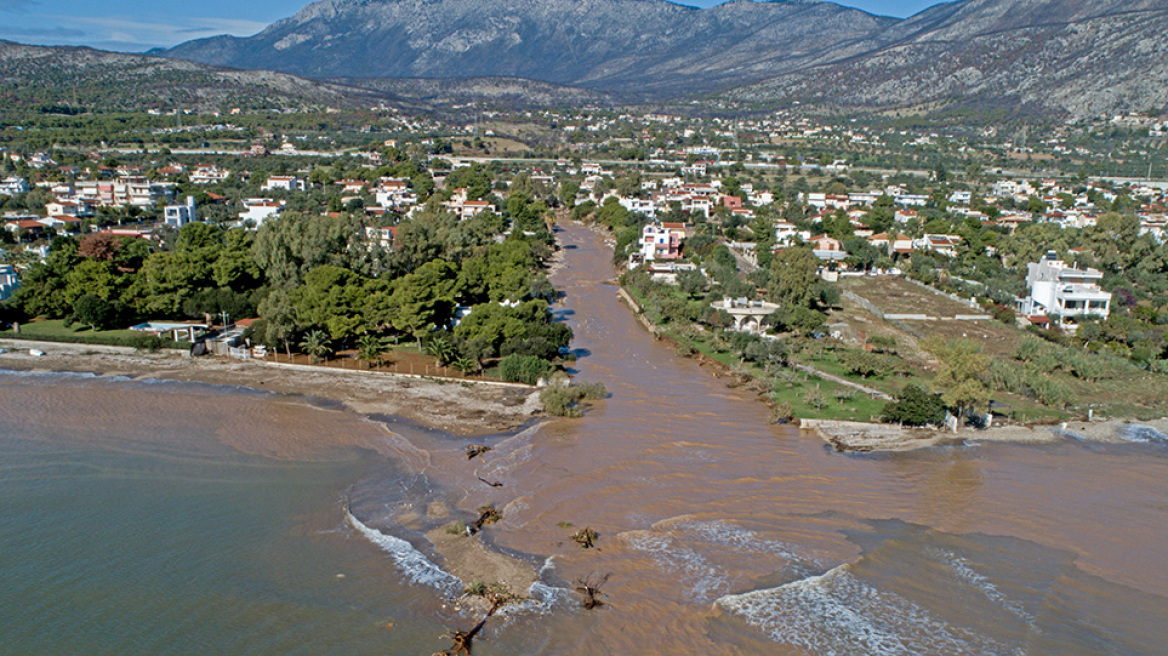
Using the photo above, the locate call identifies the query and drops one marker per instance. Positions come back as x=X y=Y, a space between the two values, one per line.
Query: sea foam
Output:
x=413 y=564
x=837 y=613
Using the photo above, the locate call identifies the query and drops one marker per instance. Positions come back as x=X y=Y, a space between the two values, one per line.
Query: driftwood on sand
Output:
x=487 y=515
x=463 y=640
x=475 y=450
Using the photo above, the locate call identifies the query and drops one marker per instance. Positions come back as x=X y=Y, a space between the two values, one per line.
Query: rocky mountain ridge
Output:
x=88 y=79
x=1067 y=59
x=635 y=47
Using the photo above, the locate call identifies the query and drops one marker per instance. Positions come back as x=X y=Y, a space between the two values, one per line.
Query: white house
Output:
x=1062 y=290
x=961 y=197
x=785 y=234
x=177 y=216
x=942 y=244
x=284 y=182
x=662 y=241
x=13 y=186
x=8 y=281
x=259 y=210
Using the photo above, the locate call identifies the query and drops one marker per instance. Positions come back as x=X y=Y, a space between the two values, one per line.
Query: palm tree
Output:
x=316 y=345
x=370 y=348
x=440 y=349
x=465 y=365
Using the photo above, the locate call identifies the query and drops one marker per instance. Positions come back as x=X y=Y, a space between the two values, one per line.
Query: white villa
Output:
x=1066 y=291
x=177 y=216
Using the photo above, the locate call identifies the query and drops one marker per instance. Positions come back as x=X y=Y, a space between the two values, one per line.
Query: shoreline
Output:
x=462 y=408
x=861 y=437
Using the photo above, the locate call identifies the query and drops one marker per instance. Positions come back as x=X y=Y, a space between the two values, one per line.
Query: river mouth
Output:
x=722 y=534
x=719 y=533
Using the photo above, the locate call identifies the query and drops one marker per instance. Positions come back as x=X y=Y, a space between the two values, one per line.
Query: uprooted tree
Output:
x=590 y=589
x=463 y=639
x=586 y=538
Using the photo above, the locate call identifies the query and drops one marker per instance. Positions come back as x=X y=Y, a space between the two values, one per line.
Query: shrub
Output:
x=564 y=400
x=844 y=394
x=915 y=406
x=1003 y=314
x=782 y=413
x=815 y=398
x=862 y=363
x=1007 y=377
x=1030 y=348
x=1049 y=391
x=883 y=344
x=527 y=369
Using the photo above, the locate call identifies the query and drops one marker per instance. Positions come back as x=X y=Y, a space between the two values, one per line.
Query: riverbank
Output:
x=865 y=437
x=464 y=408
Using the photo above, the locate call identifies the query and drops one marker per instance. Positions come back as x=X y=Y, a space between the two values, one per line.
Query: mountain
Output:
x=40 y=76
x=635 y=47
x=94 y=79
x=1064 y=59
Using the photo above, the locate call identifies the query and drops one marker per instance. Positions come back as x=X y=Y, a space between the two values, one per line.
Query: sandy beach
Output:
x=458 y=407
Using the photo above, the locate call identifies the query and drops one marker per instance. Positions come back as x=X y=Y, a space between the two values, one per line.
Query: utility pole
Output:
x=224 y=315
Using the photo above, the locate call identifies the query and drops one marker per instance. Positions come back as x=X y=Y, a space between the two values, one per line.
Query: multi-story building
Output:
x=8 y=281
x=177 y=216
x=662 y=241
x=1066 y=291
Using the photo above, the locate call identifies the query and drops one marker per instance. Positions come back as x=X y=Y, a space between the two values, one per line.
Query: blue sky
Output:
x=137 y=25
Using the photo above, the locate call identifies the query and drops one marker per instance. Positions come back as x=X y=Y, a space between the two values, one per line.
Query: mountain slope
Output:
x=632 y=46
x=38 y=76
x=1068 y=58
x=94 y=79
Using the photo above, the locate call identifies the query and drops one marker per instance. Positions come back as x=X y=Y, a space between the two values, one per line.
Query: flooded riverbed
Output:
x=724 y=534
x=720 y=534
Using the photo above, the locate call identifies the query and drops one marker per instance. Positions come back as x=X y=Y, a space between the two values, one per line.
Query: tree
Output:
x=100 y=246
x=42 y=285
x=963 y=364
x=796 y=277
x=440 y=348
x=370 y=348
x=915 y=406
x=316 y=345
x=424 y=299
x=96 y=277
x=279 y=315
x=527 y=369
x=525 y=329
x=96 y=312
x=691 y=281
x=330 y=298
x=288 y=247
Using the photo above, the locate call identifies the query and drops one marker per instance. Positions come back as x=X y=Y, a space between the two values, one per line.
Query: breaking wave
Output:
x=963 y=570
x=837 y=613
x=413 y=564
x=704 y=580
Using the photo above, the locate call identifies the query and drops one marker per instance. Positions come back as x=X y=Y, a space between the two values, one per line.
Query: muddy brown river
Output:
x=720 y=534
